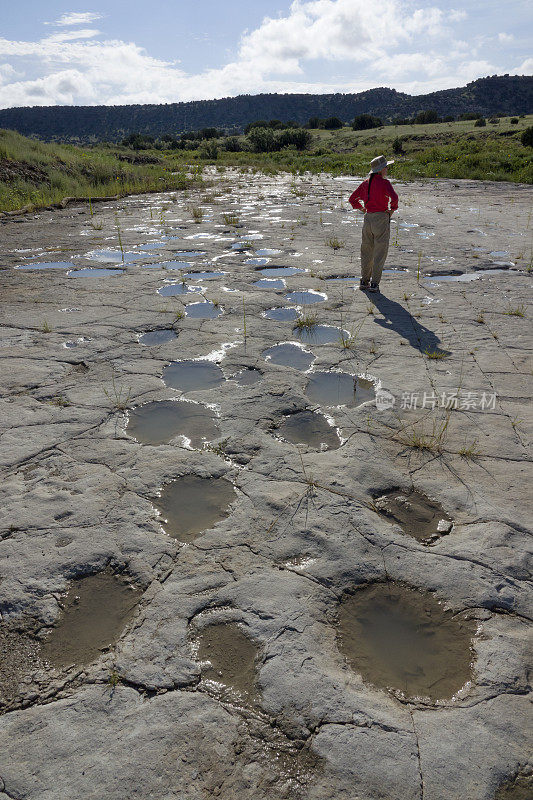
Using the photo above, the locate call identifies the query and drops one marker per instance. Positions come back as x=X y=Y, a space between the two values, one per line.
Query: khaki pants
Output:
x=374 y=245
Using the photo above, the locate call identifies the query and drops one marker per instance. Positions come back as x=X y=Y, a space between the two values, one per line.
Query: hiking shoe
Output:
x=364 y=285
x=374 y=287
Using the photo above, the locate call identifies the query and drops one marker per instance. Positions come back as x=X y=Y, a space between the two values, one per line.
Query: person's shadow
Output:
x=397 y=318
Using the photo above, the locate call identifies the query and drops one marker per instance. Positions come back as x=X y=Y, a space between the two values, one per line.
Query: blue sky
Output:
x=162 y=51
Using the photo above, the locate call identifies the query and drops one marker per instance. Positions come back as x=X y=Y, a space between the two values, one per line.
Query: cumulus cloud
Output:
x=525 y=68
x=400 y=43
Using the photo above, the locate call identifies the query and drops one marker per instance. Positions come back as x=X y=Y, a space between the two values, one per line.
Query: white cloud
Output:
x=393 y=43
x=525 y=68
x=505 y=38
x=457 y=15
x=68 y=36
x=77 y=18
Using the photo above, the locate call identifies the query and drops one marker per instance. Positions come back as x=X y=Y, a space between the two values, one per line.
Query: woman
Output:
x=377 y=199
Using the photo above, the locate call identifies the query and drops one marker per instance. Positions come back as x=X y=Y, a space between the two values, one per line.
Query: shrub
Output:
x=298 y=137
x=139 y=141
x=333 y=123
x=514 y=121
x=209 y=150
x=364 y=122
x=480 y=122
x=397 y=146
x=209 y=133
x=315 y=122
x=527 y=137
x=426 y=117
x=262 y=140
x=232 y=144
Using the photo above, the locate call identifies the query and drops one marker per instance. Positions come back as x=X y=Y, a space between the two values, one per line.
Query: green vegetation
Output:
x=35 y=174
x=306 y=323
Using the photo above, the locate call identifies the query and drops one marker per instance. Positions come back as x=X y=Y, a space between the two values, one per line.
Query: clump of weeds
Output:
x=196 y=213
x=231 y=219
x=436 y=355
x=335 y=244
x=470 y=451
x=519 y=311
x=118 y=397
x=306 y=323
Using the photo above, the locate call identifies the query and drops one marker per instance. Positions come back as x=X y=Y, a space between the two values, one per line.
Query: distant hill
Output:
x=505 y=95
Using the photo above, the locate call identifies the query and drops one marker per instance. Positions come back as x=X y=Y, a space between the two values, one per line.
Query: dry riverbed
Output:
x=264 y=535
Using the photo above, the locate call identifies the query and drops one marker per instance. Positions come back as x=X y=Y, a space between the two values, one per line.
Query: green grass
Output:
x=306 y=323
x=38 y=174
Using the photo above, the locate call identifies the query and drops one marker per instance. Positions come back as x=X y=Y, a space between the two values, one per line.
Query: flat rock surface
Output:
x=451 y=419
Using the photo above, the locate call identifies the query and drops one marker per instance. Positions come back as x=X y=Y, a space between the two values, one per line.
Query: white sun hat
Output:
x=379 y=163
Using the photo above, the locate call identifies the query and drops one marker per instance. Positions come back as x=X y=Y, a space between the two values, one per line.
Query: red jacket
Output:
x=381 y=192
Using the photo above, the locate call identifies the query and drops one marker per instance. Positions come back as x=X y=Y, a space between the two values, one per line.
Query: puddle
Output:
x=281 y=314
x=416 y=514
x=176 y=289
x=161 y=421
x=339 y=389
x=270 y=283
x=75 y=342
x=499 y=254
x=266 y=252
x=425 y=234
x=258 y=262
x=95 y=611
x=113 y=256
x=203 y=276
x=395 y=271
x=289 y=354
x=463 y=277
x=158 y=337
x=280 y=272
x=247 y=377
x=191 y=505
x=320 y=334
x=402 y=639
x=310 y=428
x=202 y=310
x=306 y=298
x=192 y=376
x=228 y=659
x=151 y=246
x=176 y=265
x=94 y=272
x=47 y=265
x=190 y=253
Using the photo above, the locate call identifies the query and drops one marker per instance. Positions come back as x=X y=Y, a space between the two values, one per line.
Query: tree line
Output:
x=505 y=95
